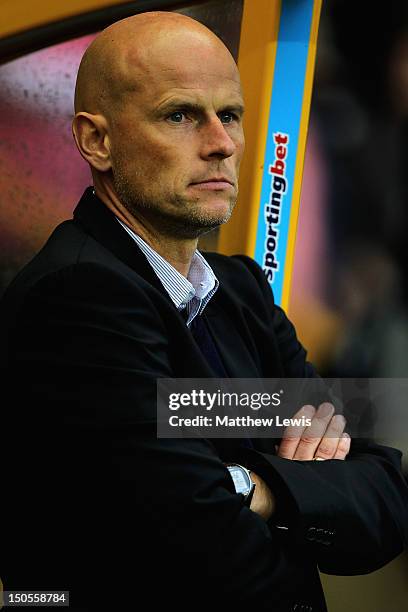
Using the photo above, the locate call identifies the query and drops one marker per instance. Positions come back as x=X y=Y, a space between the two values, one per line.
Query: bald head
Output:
x=159 y=119
x=122 y=56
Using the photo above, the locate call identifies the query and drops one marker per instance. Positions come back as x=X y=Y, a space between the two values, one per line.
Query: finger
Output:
x=343 y=448
x=329 y=443
x=313 y=434
x=292 y=434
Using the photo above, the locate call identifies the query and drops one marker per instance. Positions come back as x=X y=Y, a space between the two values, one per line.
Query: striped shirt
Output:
x=193 y=292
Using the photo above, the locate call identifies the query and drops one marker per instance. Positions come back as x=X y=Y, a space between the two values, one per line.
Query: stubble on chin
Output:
x=175 y=216
x=201 y=222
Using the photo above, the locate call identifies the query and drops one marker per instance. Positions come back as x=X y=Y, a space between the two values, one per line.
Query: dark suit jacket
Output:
x=96 y=504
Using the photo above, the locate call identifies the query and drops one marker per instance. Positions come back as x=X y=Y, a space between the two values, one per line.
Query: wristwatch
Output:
x=242 y=481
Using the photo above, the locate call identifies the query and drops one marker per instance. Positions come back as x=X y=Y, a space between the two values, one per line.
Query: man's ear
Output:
x=92 y=139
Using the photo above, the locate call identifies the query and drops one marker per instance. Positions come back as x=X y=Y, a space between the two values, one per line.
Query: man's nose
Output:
x=215 y=140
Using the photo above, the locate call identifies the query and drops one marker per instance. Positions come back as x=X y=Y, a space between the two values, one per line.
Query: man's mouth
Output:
x=213 y=183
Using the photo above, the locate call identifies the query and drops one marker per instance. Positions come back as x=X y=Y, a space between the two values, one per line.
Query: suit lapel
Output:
x=98 y=221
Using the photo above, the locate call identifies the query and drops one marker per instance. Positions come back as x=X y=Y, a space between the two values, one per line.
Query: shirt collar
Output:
x=201 y=282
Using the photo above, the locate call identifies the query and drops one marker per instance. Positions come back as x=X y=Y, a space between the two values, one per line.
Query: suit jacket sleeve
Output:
x=352 y=514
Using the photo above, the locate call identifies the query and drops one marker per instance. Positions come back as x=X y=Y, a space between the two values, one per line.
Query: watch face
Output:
x=241 y=480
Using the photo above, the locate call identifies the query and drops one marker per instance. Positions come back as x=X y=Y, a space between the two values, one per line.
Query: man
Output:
x=120 y=297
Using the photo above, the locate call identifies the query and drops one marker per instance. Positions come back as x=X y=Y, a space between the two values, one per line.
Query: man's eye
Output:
x=177 y=117
x=227 y=117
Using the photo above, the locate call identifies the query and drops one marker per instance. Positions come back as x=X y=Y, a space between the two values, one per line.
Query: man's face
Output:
x=177 y=138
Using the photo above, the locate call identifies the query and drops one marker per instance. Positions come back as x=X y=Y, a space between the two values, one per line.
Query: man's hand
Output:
x=324 y=438
x=263 y=501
